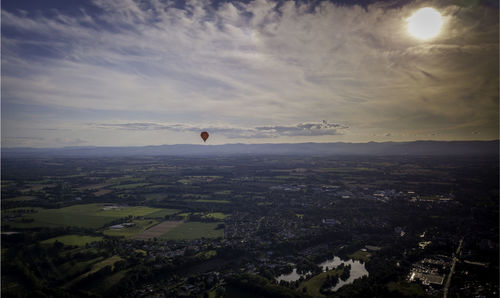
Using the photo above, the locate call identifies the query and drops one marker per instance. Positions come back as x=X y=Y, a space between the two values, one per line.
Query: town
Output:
x=245 y=226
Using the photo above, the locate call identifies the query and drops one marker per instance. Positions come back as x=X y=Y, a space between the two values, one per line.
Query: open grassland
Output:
x=102 y=192
x=213 y=201
x=155 y=196
x=130 y=186
x=162 y=213
x=185 y=214
x=94 y=186
x=139 y=227
x=407 y=289
x=194 y=230
x=111 y=280
x=313 y=285
x=363 y=256
x=158 y=230
x=212 y=215
x=223 y=192
x=216 y=215
x=96 y=267
x=20 y=199
x=195 y=195
x=197 y=179
x=78 y=240
x=72 y=268
x=87 y=216
x=37 y=187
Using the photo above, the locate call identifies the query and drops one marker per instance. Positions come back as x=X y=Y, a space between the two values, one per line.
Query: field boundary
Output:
x=158 y=230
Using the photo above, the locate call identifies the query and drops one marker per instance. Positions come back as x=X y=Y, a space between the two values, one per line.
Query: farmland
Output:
x=87 y=216
x=170 y=226
x=193 y=230
x=78 y=240
x=158 y=230
x=138 y=227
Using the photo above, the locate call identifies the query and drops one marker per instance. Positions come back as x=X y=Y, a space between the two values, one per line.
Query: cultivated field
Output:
x=139 y=226
x=96 y=267
x=79 y=240
x=194 y=230
x=87 y=216
x=158 y=230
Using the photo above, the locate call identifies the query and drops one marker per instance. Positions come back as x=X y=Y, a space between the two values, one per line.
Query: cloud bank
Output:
x=302 y=129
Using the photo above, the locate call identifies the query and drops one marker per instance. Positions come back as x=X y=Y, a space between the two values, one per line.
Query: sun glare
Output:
x=425 y=23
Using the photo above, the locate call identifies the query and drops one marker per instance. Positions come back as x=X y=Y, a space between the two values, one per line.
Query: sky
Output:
x=153 y=72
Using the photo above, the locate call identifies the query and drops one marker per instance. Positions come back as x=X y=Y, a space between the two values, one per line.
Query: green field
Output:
x=87 y=216
x=197 y=179
x=110 y=281
x=20 y=210
x=96 y=267
x=223 y=192
x=407 y=289
x=155 y=196
x=213 y=201
x=130 y=186
x=264 y=203
x=314 y=284
x=194 y=230
x=78 y=240
x=162 y=213
x=19 y=199
x=216 y=215
x=363 y=256
x=185 y=214
x=140 y=226
x=72 y=269
x=207 y=254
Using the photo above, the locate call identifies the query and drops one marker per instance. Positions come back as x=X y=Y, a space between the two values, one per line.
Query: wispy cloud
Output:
x=251 y=63
x=302 y=129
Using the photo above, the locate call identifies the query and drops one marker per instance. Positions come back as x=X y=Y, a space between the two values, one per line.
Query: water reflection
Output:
x=357 y=270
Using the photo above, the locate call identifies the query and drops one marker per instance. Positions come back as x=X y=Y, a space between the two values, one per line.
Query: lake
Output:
x=358 y=270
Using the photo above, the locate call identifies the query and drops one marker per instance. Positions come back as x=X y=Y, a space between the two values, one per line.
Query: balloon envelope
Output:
x=204 y=135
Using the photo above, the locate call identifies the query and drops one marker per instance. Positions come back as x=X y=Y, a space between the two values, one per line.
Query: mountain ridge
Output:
x=310 y=148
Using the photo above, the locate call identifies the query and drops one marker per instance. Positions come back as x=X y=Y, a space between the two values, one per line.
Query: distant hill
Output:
x=372 y=148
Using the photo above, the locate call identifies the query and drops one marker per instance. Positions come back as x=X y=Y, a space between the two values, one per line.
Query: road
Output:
x=455 y=259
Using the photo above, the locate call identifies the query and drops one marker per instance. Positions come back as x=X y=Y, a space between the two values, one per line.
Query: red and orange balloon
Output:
x=204 y=135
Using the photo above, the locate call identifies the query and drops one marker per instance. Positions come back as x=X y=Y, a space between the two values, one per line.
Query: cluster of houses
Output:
x=429 y=272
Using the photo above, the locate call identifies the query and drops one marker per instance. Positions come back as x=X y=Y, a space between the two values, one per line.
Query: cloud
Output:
x=302 y=129
x=249 y=63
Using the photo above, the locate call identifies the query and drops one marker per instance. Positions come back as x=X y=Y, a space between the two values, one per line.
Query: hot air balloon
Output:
x=204 y=135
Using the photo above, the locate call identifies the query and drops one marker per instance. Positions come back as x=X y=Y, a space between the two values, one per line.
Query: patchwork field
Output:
x=213 y=201
x=194 y=230
x=139 y=227
x=213 y=215
x=96 y=267
x=313 y=285
x=21 y=198
x=79 y=240
x=158 y=230
x=162 y=213
x=216 y=215
x=102 y=192
x=87 y=216
x=363 y=256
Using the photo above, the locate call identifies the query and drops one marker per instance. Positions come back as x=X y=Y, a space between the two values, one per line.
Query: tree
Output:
x=220 y=291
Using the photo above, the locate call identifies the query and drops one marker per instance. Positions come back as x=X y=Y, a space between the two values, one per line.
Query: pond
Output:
x=358 y=270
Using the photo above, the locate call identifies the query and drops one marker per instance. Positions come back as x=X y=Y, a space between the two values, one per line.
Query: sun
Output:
x=425 y=23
